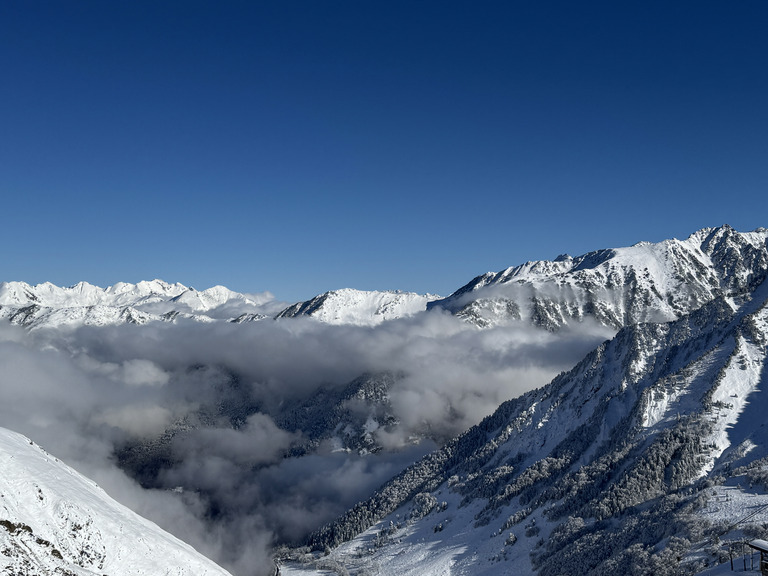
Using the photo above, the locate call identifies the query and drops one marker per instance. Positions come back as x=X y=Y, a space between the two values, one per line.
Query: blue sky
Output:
x=299 y=147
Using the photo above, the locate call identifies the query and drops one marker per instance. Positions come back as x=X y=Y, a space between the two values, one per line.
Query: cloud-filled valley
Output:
x=189 y=410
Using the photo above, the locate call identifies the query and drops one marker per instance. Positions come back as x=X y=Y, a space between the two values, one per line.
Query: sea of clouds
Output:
x=234 y=493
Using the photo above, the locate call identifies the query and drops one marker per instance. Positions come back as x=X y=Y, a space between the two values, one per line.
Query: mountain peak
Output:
x=359 y=307
x=618 y=286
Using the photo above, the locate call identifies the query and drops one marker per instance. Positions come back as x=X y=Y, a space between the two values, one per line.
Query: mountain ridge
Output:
x=616 y=286
x=47 y=305
x=55 y=521
x=357 y=307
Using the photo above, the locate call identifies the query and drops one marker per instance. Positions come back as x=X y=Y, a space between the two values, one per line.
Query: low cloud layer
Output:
x=234 y=490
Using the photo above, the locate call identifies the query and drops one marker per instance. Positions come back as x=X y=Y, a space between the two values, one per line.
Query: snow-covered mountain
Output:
x=55 y=521
x=359 y=307
x=47 y=305
x=20 y=294
x=649 y=457
x=618 y=287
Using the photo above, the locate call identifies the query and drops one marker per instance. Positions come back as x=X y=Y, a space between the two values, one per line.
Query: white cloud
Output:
x=143 y=373
x=139 y=421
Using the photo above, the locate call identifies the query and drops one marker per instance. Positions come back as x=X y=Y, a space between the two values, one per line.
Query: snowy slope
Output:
x=642 y=283
x=359 y=307
x=55 y=521
x=652 y=453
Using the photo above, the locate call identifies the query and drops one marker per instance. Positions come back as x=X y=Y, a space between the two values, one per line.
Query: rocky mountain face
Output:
x=346 y=418
x=617 y=287
x=649 y=457
x=55 y=521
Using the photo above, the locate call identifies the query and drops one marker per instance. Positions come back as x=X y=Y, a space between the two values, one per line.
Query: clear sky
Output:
x=303 y=146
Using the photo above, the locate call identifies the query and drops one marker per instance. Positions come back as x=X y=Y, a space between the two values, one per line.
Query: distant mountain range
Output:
x=46 y=305
x=617 y=287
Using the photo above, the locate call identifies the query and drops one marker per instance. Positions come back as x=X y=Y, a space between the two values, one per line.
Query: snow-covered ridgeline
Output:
x=358 y=307
x=142 y=294
x=47 y=305
x=643 y=283
x=20 y=294
x=55 y=521
x=617 y=287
